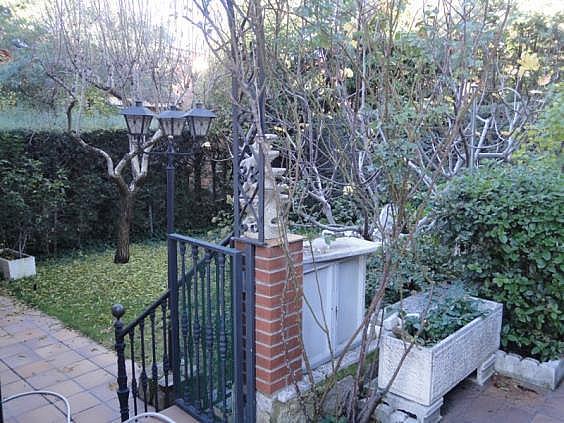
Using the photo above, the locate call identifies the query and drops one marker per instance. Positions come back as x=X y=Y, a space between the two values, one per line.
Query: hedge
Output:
x=89 y=211
x=504 y=228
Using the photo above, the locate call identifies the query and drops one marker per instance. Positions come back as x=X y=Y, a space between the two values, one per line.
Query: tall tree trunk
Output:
x=124 y=227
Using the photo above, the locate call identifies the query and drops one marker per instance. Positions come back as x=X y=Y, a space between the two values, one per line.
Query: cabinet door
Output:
x=316 y=313
x=349 y=299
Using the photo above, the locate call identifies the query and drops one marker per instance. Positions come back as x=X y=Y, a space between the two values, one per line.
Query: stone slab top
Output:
x=344 y=247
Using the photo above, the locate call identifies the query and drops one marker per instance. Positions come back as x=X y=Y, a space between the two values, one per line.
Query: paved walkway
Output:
x=503 y=400
x=38 y=352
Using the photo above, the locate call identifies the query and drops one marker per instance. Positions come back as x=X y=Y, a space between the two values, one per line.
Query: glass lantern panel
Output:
x=134 y=124
x=146 y=123
x=201 y=126
x=178 y=125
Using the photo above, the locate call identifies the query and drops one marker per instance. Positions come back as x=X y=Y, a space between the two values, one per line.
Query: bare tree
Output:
x=371 y=109
x=124 y=52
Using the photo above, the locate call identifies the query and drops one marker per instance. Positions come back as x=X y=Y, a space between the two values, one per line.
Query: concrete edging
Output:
x=546 y=375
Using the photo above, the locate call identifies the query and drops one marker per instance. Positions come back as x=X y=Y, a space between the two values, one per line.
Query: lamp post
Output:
x=172 y=121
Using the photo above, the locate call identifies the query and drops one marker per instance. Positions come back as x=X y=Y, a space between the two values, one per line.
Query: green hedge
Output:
x=504 y=229
x=89 y=211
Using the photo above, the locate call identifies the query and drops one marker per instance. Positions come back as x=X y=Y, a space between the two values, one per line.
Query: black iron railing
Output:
x=188 y=347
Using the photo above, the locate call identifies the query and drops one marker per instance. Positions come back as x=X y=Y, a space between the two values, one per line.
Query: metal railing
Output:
x=188 y=348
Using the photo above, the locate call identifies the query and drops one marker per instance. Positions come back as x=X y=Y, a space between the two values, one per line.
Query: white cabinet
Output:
x=333 y=307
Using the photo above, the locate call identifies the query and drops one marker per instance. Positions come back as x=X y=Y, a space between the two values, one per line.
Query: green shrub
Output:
x=90 y=212
x=504 y=229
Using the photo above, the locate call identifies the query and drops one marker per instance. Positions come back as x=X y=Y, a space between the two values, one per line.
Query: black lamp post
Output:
x=172 y=121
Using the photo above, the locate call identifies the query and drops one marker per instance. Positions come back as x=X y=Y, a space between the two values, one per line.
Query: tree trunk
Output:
x=124 y=227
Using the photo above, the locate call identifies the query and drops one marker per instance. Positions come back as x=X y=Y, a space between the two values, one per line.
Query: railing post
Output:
x=123 y=391
x=238 y=401
x=172 y=246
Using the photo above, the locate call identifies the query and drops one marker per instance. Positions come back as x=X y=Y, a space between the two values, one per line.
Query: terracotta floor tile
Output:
x=48 y=378
x=24 y=356
x=105 y=392
x=541 y=418
x=15 y=388
x=97 y=414
x=23 y=405
x=45 y=414
x=95 y=378
x=78 y=368
x=66 y=388
x=8 y=376
x=31 y=369
x=82 y=401
x=52 y=351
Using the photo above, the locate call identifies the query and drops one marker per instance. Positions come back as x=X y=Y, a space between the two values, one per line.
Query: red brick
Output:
x=279 y=373
x=274 y=362
x=274 y=350
x=276 y=338
x=277 y=251
x=272 y=302
x=278 y=263
x=270 y=388
x=271 y=290
x=277 y=325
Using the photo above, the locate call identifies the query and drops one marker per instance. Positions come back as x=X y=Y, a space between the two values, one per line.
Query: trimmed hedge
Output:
x=89 y=213
x=504 y=227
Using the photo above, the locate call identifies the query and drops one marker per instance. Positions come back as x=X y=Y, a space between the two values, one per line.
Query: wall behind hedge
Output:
x=90 y=212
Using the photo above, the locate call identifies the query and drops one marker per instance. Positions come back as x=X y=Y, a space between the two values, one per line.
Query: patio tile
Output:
x=24 y=356
x=541 y=418
x=91 y=350
x=23 y=405
x=66 y=388
x=40 y=342
x=97 y=414
x=45 y=414
x=52 y=351
x=8 y=376
x=48 y=378
x=82 y=401
x=105 y=392
x=95 y=378
x=78 y=368
x=15 y=388
x=104 y=360
x=34 y=368
x=65 y=358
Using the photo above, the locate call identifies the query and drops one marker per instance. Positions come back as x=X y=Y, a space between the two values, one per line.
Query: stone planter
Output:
x=428 y=373
x=22 y=266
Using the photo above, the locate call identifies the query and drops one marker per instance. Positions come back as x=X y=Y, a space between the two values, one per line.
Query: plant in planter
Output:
x=31 y=201
x=455 y=337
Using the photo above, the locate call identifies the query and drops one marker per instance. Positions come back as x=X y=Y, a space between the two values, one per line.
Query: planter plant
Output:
x=451 y=338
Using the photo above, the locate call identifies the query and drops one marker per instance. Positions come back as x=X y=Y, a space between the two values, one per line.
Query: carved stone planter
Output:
x=17 y=266
x=428 y=373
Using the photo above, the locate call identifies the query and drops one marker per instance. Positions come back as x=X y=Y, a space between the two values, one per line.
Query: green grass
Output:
x=80 y=289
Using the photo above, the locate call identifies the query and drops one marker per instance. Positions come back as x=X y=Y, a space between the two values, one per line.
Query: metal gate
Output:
x=208 y=305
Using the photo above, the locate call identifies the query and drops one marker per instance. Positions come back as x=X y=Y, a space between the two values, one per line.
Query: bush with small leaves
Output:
x=504 y=229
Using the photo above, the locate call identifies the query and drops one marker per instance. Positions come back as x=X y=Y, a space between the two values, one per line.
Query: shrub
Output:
x=90 y=211
x=504 y=229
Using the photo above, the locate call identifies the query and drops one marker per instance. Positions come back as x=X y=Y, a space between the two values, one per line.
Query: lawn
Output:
x=80 y=289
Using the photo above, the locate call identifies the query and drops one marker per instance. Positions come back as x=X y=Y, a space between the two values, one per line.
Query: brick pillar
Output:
x=278 y=298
